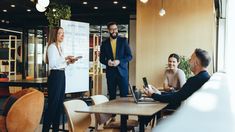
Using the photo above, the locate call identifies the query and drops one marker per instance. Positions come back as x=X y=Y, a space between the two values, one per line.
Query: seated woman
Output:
x=174 y=77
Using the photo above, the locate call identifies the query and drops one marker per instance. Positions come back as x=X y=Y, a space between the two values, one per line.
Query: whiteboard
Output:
x=76 y=43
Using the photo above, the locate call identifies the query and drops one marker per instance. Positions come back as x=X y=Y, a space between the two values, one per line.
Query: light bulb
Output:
x=144 y=1
x=40 y=8
x=44 y=3
x=162 y=12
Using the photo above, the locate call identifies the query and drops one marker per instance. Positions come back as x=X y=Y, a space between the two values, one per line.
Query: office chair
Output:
x=104 y=119
x=79 y=122
x=22 y=111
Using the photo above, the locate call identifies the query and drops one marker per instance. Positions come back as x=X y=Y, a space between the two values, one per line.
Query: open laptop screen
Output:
x=143 y=100
x=133 y=93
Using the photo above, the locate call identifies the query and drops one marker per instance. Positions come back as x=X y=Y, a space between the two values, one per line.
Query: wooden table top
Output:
x=36 y=82
x=125 y=106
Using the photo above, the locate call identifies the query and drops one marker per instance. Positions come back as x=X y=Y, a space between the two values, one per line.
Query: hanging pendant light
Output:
x=44 y=3
x=162 y=11
x=40 y=8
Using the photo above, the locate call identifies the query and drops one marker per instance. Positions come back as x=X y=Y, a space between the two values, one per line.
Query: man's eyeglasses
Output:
x=113 y=29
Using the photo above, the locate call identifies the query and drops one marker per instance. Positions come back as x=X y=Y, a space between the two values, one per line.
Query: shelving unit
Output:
x=8 y=57
x=96 y=69
x=96 y=51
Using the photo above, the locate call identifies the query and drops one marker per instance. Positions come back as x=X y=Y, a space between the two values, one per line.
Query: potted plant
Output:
x=56 y=12
x=185 y=66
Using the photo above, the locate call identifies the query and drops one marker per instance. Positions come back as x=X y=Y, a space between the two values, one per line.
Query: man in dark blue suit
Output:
x=115 y=53
x=199 y=62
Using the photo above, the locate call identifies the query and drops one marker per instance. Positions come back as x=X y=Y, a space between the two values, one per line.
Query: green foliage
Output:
x=185 y=66
x=56 y=12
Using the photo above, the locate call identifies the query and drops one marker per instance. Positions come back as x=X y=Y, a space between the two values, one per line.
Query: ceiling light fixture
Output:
x=115 y=2
x=123 y=7
x=40 y=8
x=13 y=6
x=4 y=10
x=144 y=1
x=162 y=11
x=84 y=3
x=28 y=10
x=44 y=3
x=95 y=7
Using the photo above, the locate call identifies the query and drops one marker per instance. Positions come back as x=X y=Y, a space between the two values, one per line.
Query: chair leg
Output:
x=153 y=121
x=96 y=126
x=92 y=129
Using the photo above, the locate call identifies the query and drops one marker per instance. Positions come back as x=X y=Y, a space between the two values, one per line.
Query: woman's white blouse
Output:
x=56 y=59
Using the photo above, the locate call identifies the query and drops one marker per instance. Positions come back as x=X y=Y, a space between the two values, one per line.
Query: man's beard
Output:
x=192 y=66
x=113 y=36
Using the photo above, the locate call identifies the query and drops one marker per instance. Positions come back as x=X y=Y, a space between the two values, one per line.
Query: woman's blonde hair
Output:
x=52 y=38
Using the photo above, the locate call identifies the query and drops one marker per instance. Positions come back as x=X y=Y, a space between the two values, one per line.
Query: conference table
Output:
x=25 y=83
x=124 y=107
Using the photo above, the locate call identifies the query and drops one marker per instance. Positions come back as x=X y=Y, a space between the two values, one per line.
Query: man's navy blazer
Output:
x=123 y=53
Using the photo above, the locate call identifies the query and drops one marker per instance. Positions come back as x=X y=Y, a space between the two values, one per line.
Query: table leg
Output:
x=124 y=123
x=141 y=124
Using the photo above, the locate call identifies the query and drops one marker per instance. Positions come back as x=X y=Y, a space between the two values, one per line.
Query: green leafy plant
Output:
x=56 y=12
x=185 y=66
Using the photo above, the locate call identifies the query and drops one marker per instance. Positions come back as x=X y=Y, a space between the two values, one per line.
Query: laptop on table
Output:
x=142 y=100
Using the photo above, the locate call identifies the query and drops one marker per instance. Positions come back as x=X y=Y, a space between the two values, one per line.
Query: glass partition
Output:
x=36 y=65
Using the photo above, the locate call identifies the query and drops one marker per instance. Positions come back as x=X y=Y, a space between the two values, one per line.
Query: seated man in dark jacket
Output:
x=199 y=61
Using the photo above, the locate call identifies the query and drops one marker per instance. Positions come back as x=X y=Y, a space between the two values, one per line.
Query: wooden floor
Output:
x=147 y=129
x=39 y=129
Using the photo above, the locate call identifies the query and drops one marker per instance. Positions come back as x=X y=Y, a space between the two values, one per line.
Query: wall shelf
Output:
x=8 y=56
x=96 y=67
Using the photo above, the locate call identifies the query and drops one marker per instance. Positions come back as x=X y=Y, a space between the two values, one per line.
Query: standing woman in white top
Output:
x=174 y=77
x=56 y=80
